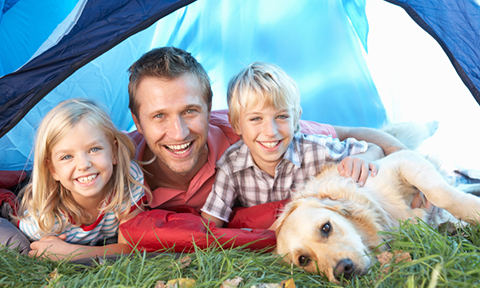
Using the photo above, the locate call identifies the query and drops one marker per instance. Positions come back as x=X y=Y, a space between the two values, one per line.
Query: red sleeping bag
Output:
x=182 y=229
x=9 y=179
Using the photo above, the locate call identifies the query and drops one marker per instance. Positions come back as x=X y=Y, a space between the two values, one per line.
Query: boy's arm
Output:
x=218 y=222
x=221 y=198
x=359 y=166
x=387 y=142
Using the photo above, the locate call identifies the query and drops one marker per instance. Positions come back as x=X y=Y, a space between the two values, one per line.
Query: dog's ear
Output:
x=366 y=219
x=341 y=207
x=289 y=208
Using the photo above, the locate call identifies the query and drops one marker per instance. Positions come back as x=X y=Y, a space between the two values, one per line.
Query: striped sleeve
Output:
x=137 y=193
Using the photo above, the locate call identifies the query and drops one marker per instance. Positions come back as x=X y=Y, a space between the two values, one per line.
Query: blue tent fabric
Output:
x=343 y=93
x=103 y=25
x=455 y=25
x=25 y=26
x=337 y=73
x=5 y=5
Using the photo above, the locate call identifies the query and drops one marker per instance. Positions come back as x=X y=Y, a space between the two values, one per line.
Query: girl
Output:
x=84 y=184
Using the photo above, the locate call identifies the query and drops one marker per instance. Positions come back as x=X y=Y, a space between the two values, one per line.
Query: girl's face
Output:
x=83 y=163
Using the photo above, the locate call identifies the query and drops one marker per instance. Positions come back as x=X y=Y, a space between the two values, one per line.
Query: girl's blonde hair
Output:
x=46 y=199
x=263 y=82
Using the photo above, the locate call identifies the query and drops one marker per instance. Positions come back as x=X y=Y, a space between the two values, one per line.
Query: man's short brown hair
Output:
x=167 y=63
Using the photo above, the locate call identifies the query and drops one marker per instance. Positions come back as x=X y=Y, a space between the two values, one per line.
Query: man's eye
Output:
x=159 y=116
x=190 y=111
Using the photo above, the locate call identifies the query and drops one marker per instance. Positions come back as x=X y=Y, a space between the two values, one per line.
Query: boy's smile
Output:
x=267 y=131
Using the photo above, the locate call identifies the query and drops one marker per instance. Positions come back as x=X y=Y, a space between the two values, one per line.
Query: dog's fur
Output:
x=331 y=225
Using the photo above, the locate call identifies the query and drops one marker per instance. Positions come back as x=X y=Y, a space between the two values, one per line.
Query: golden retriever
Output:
x=331 y=225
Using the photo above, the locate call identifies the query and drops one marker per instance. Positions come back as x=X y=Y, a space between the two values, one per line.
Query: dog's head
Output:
x=334 y=237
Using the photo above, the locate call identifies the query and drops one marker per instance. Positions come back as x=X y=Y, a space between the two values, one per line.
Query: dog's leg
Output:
x=419 y=172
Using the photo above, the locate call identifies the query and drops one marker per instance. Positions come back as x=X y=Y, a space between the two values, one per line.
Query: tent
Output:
x=53 y=50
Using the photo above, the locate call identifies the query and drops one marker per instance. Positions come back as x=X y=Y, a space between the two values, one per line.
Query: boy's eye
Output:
x=283 y=116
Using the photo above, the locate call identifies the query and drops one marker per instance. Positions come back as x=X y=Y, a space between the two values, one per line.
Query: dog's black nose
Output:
x=344 y=268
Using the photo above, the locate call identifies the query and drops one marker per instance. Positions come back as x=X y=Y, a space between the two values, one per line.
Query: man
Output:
x=181 y=138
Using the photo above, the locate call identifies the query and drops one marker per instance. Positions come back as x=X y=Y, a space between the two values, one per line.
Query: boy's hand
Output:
x=357 y=169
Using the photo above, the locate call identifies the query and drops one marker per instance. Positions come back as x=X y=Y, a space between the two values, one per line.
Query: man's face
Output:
x=173 y=117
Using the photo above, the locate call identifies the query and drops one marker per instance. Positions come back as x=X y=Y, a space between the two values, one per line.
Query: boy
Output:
x=272 y=158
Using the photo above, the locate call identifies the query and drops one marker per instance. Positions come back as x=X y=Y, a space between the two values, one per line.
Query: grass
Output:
x=438 y=260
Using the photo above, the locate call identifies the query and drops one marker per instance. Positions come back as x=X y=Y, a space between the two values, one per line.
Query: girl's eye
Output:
x=66 y=157
x=95 y=149
x=255 y=119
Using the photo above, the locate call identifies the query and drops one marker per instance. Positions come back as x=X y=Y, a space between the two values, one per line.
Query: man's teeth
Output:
x=270 y=144
x=179 y=149
x=87 y=179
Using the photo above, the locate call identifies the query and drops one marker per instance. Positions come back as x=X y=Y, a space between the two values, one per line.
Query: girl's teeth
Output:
x=87 y=179
x=269 y=144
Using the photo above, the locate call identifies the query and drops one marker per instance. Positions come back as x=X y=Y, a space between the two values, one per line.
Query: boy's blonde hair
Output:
x=262 y=82
x=46 y=199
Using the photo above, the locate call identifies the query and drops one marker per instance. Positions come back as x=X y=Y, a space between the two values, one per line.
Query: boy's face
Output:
x=267 y=131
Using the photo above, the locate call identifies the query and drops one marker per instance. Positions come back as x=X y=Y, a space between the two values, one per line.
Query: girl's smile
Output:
x=83 y=163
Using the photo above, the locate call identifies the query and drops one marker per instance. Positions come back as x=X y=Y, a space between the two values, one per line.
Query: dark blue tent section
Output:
x=455 y=25
x=103 y=25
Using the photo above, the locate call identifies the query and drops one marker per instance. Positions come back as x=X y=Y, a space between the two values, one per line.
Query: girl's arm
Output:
x=55 y=247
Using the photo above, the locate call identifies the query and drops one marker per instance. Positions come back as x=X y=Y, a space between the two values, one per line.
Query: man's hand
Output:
x=357 y=169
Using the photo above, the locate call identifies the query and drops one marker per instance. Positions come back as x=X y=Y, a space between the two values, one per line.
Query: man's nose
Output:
x=178 y=129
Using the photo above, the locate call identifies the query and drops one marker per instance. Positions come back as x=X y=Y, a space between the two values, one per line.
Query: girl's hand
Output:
x=53 y=247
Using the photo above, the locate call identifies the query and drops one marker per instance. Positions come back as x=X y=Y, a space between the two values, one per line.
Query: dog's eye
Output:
x=303 y=260
x=326 y=228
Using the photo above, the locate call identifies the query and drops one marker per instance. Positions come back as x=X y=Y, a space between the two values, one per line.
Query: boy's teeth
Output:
x=179 y=149
x=270 y=144
x=86 y=179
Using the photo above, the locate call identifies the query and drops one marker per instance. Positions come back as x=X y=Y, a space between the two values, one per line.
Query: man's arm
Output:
x=387 y=142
